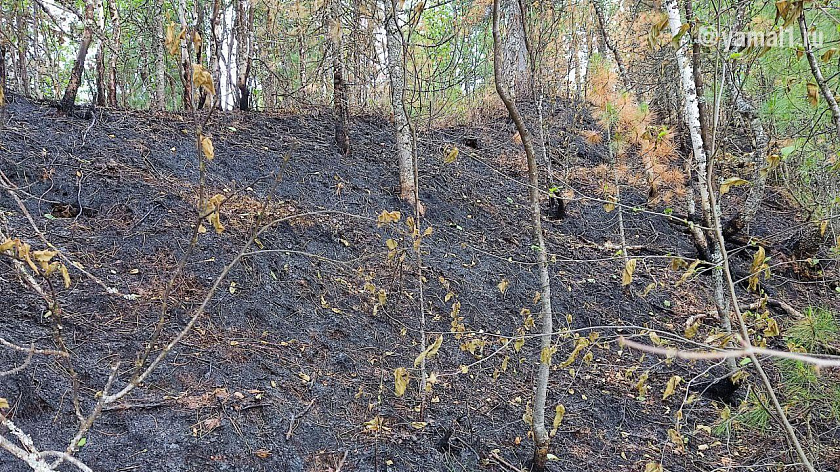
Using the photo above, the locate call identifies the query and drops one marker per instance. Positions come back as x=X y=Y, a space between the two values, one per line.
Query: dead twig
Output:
x=295 y=417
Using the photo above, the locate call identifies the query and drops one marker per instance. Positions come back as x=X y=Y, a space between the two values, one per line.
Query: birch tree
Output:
x=711 y=215
x=160 y=60
x=396 y=75
x=114 y=52
x=541 y=437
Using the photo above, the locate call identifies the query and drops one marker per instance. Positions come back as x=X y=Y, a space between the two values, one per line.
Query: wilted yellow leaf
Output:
x=642 y=386
x=727 y=184
x=401 y=379
x=580 y=344
x=813 y=94
x=503 y=285
x=451 y=156
x=677 y=439
x=429 y=352
x=671 y=388
x=653 y=467
x=387 y=217
x=627 y=274
x=559 y=413
x=691 y=331
x=203 y=79
x=207 y=148
x=772 y=329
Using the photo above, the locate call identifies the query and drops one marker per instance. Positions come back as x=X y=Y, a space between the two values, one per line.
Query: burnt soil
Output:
x=295 y=334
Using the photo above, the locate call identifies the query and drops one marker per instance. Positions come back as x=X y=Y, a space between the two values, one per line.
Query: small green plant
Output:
x=818 y=332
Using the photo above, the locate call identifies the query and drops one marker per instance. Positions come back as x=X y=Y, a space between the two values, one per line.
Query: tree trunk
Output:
x=759 y=181
x=116 y=46
x=186 y=60
x=609 y=44
x=516 y=52
x=340 y=100
x=541 y=436
x=100 y=98
x=216 y=48
x=69 y=98
x=160 y=62
x=818 y=76
x=244 y=37
x=691 y=114
x=396 y=74
x=22 y=66
x=3 y=75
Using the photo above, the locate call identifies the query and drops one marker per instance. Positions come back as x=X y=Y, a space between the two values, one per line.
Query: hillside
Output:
x=296 y=353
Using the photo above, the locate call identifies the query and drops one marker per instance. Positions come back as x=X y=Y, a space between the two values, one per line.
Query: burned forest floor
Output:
x=292 y=366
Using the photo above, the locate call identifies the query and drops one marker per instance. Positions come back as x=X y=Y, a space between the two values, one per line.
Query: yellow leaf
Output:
x=387 y=217
x=691 y=331
x=262 y=453
x=304 y=377
x=8 y=244
x=43 y=258
x=418 y=424
x=688 y=273
x=610 y=204
x=401 y=378
x=3 y=402
x=653 y=467
x=641 y=385
x=503 y=285
x=171 y=40
x=772 y=329
x=655 y=338
x=429 y=352
x=813 y=94
x=546 y=353
x=391 y=244
x=517 y=345
x=823 y=227
x=580 y=344
x=671 y=388
x=677 y=439
x=559 y=413
x=451 y=156
x=212 y=211
x=627 y=274
x=2 y=97
x=528 y=415
x=203 y=79
x=207 y=148
x=65 y=275
x=731 y=182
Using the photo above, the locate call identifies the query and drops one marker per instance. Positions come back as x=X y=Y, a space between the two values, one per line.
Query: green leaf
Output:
x=82 y=442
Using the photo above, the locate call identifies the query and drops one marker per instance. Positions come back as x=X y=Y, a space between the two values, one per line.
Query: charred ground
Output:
x=293 y=337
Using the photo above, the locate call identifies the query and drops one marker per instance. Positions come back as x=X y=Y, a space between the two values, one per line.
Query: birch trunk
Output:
x=396 y=74
x=116 y=46
x=541 y=436
x=691 y=112
x=160 y=62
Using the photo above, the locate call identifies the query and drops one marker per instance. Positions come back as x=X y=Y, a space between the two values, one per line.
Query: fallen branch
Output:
x=750 y=351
